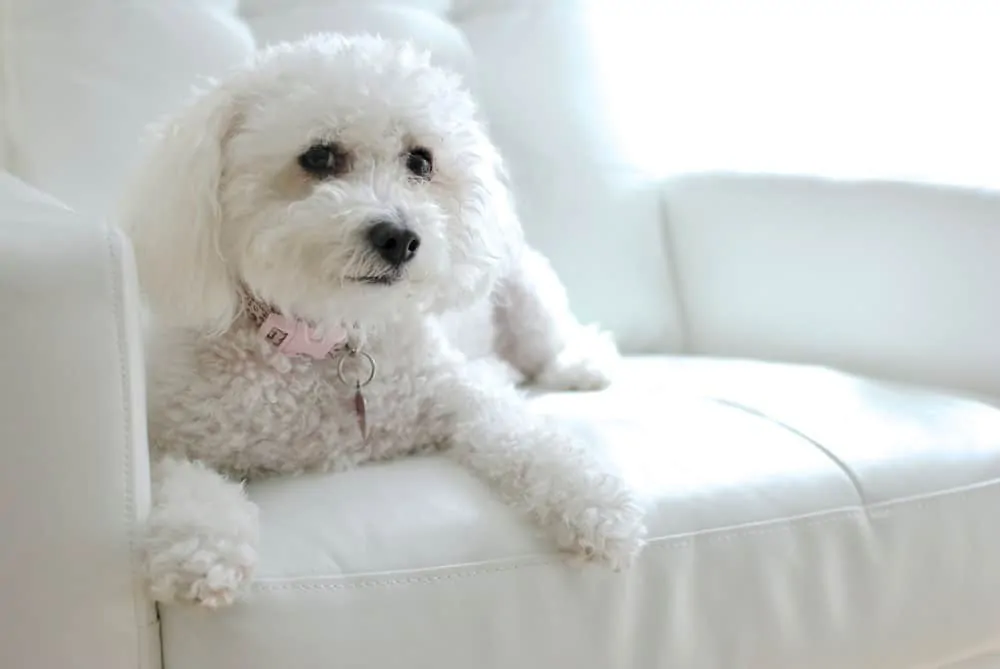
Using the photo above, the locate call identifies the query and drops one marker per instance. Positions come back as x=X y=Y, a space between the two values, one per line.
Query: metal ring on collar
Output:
x=353 y=354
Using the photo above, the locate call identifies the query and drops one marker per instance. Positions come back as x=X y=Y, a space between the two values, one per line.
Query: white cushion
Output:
x=799 y=517
x=887 y=279
x=89 y=75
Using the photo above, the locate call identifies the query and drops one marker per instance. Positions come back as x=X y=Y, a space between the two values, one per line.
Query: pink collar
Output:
x=294 y=336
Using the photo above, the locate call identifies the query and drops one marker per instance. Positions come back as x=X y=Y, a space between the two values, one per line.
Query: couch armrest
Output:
x=75 y=477
x=895 y=280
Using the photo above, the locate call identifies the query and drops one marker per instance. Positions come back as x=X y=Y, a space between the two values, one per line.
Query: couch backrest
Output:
x=593 y=102
x=85 y=76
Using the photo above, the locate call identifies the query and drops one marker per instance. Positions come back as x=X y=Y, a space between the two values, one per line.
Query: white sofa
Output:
x=810 y=402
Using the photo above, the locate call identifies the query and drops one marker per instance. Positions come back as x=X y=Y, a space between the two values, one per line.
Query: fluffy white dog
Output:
x=301 y=229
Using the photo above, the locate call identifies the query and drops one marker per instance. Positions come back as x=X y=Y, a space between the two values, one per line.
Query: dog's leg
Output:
x=538 y=334
x=201 y=535
x=541 y=469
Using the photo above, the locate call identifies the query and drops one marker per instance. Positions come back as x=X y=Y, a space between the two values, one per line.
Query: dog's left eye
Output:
x=420 y=163
x=324 y=160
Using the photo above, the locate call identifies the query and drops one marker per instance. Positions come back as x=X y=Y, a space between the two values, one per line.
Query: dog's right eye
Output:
x=323 y=160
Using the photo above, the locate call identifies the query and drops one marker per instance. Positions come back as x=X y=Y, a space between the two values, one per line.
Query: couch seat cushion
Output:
x=799 y=517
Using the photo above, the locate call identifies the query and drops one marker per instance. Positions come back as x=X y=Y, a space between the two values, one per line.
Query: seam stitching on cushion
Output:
x=719 y=535
x=127 y=463
x=851 y=476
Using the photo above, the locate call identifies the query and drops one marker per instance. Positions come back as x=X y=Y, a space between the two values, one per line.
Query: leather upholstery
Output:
x=801 y=517
x=892 y=279
x=75 y=477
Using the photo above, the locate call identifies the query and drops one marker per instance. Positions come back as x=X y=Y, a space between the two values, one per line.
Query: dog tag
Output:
x=360 y=410
x=360 y=406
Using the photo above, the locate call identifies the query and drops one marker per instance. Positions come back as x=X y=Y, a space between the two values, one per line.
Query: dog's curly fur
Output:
x=223 y=211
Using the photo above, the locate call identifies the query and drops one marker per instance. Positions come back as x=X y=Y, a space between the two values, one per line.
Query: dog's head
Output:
x=334 y=178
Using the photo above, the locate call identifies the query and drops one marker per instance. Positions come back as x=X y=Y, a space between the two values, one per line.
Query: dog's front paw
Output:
x=573 y=375
x=611 y=538
x=614 y=544
x=207 y=570
x=587 y=362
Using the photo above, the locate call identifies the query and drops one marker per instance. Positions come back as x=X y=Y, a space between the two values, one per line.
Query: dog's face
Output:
x=337 y=178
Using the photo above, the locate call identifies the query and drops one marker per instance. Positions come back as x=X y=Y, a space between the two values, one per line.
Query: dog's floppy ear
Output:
x=173 y=217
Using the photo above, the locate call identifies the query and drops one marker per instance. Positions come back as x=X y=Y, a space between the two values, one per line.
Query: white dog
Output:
x=300 y=230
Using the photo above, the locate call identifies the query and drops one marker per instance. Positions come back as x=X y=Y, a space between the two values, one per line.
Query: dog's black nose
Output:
x=396 y=243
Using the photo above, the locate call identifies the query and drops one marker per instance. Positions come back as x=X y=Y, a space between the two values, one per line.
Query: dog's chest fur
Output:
x=243 y=408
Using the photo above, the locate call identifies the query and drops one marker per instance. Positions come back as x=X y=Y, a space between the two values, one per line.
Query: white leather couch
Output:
x=810 y=401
